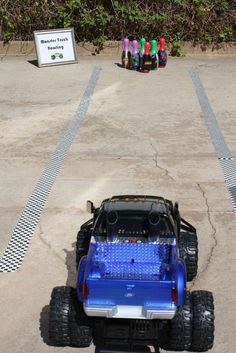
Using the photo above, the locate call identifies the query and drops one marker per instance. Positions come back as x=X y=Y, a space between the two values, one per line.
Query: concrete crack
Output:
x=155 y=159
x=48 y=245
x=70 y=266
x=213 y=236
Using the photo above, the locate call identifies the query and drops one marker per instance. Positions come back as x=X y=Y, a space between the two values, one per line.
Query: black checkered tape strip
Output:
x=229 y=170
x=20 y=239
x=224 y=155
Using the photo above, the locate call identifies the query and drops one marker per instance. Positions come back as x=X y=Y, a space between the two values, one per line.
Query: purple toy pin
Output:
x=135 y=55
x=135 y=46
x=126 y=54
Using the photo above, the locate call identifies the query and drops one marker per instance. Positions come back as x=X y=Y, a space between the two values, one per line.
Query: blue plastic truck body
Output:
x=133 y=258
x=132 y=269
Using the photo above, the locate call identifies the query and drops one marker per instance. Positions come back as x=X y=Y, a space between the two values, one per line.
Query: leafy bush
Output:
x=199 y=21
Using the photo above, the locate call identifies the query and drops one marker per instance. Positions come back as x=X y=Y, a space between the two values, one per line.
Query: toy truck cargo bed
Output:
x=130 y=260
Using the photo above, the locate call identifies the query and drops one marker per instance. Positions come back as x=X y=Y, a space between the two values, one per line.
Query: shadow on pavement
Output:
x=71 y=266
x=33 y=62
x=119 y=65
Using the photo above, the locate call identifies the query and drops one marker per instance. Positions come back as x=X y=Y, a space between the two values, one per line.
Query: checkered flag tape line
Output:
x=229 y=170
x=23 y=232
x=225 y=157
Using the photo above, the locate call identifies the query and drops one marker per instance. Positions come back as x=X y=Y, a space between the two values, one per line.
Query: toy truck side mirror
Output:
x=90 y=207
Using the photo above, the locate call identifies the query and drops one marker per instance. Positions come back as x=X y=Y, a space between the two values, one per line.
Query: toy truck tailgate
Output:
x=129 y=277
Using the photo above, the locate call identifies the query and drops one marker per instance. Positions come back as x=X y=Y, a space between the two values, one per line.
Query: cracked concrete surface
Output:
x=143 y=134
x=167 y=174
x=49 y=245
x=212 y=234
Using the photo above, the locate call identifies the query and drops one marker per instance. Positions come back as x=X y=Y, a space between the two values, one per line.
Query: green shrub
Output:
x=199 y=21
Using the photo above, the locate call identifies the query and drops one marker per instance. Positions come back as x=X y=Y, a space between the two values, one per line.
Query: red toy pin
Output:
x=162 y=54
x=147 y=60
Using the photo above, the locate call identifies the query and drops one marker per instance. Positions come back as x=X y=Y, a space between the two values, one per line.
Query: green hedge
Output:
x=199 y=21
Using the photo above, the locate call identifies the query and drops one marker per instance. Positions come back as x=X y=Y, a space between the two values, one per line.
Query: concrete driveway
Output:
x=143 y=134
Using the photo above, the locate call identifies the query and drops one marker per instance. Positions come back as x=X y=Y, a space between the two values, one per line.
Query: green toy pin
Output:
x=142 y=42
x=154 y=54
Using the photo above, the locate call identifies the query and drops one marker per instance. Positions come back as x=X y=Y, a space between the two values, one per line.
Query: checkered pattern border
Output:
x=225 y=157
x=20 y=239
x=229 y=170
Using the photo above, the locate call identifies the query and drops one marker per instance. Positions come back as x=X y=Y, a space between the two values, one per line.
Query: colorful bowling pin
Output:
x=147 y=60
x=142 y=42
x=154 y=55
x=142 y=45
x=135 y=55
x=162 y=53
x=126 y=54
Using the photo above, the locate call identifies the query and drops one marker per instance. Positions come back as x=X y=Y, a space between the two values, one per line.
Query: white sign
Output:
x=55 y=47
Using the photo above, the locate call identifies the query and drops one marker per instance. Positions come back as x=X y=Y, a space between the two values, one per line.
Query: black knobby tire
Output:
x=59 y=334
x=67 y=322
x=203 y=321
x=80 y=331
x=177 y=333
x=82 y=244
x=188 y=252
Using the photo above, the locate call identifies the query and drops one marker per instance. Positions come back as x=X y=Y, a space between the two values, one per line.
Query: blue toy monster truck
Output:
x=133 y=260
